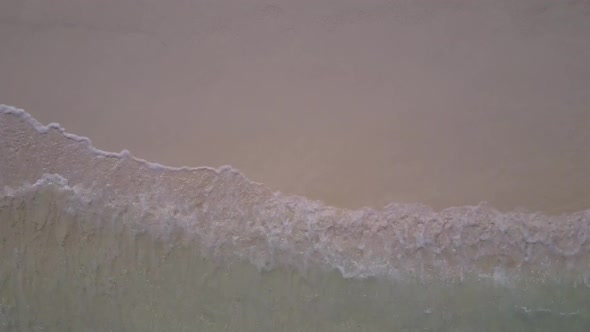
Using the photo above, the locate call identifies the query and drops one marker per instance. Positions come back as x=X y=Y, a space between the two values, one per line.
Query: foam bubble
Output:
x=232 y=216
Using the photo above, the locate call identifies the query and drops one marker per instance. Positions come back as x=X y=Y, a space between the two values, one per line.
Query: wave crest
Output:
x=231 y=216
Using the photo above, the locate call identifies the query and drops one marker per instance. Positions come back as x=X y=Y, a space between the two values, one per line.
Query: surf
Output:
x=124 y=243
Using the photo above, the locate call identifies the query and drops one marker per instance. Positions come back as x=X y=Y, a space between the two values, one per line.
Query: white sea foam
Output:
x=5 y=109
x=232 y=216
x=92 y=240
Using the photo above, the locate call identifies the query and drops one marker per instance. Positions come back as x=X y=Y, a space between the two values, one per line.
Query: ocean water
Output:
x=99 y=241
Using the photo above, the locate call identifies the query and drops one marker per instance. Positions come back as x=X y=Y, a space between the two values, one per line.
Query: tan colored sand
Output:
x=352 y=102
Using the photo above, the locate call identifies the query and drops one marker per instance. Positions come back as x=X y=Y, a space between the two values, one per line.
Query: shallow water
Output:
x=68 y=269
x=93 y=240
x=423 y=109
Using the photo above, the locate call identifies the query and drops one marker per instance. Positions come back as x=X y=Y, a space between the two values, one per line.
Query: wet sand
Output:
x=353 y=103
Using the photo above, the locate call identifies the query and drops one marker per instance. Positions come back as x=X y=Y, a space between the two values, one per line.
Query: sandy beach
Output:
x=350 y=102
x=421 y=109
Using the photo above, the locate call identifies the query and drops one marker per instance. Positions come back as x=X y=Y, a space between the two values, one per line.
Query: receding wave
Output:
x=125 y=244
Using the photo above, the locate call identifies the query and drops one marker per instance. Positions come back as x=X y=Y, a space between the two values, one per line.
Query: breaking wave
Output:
x=107 y=222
